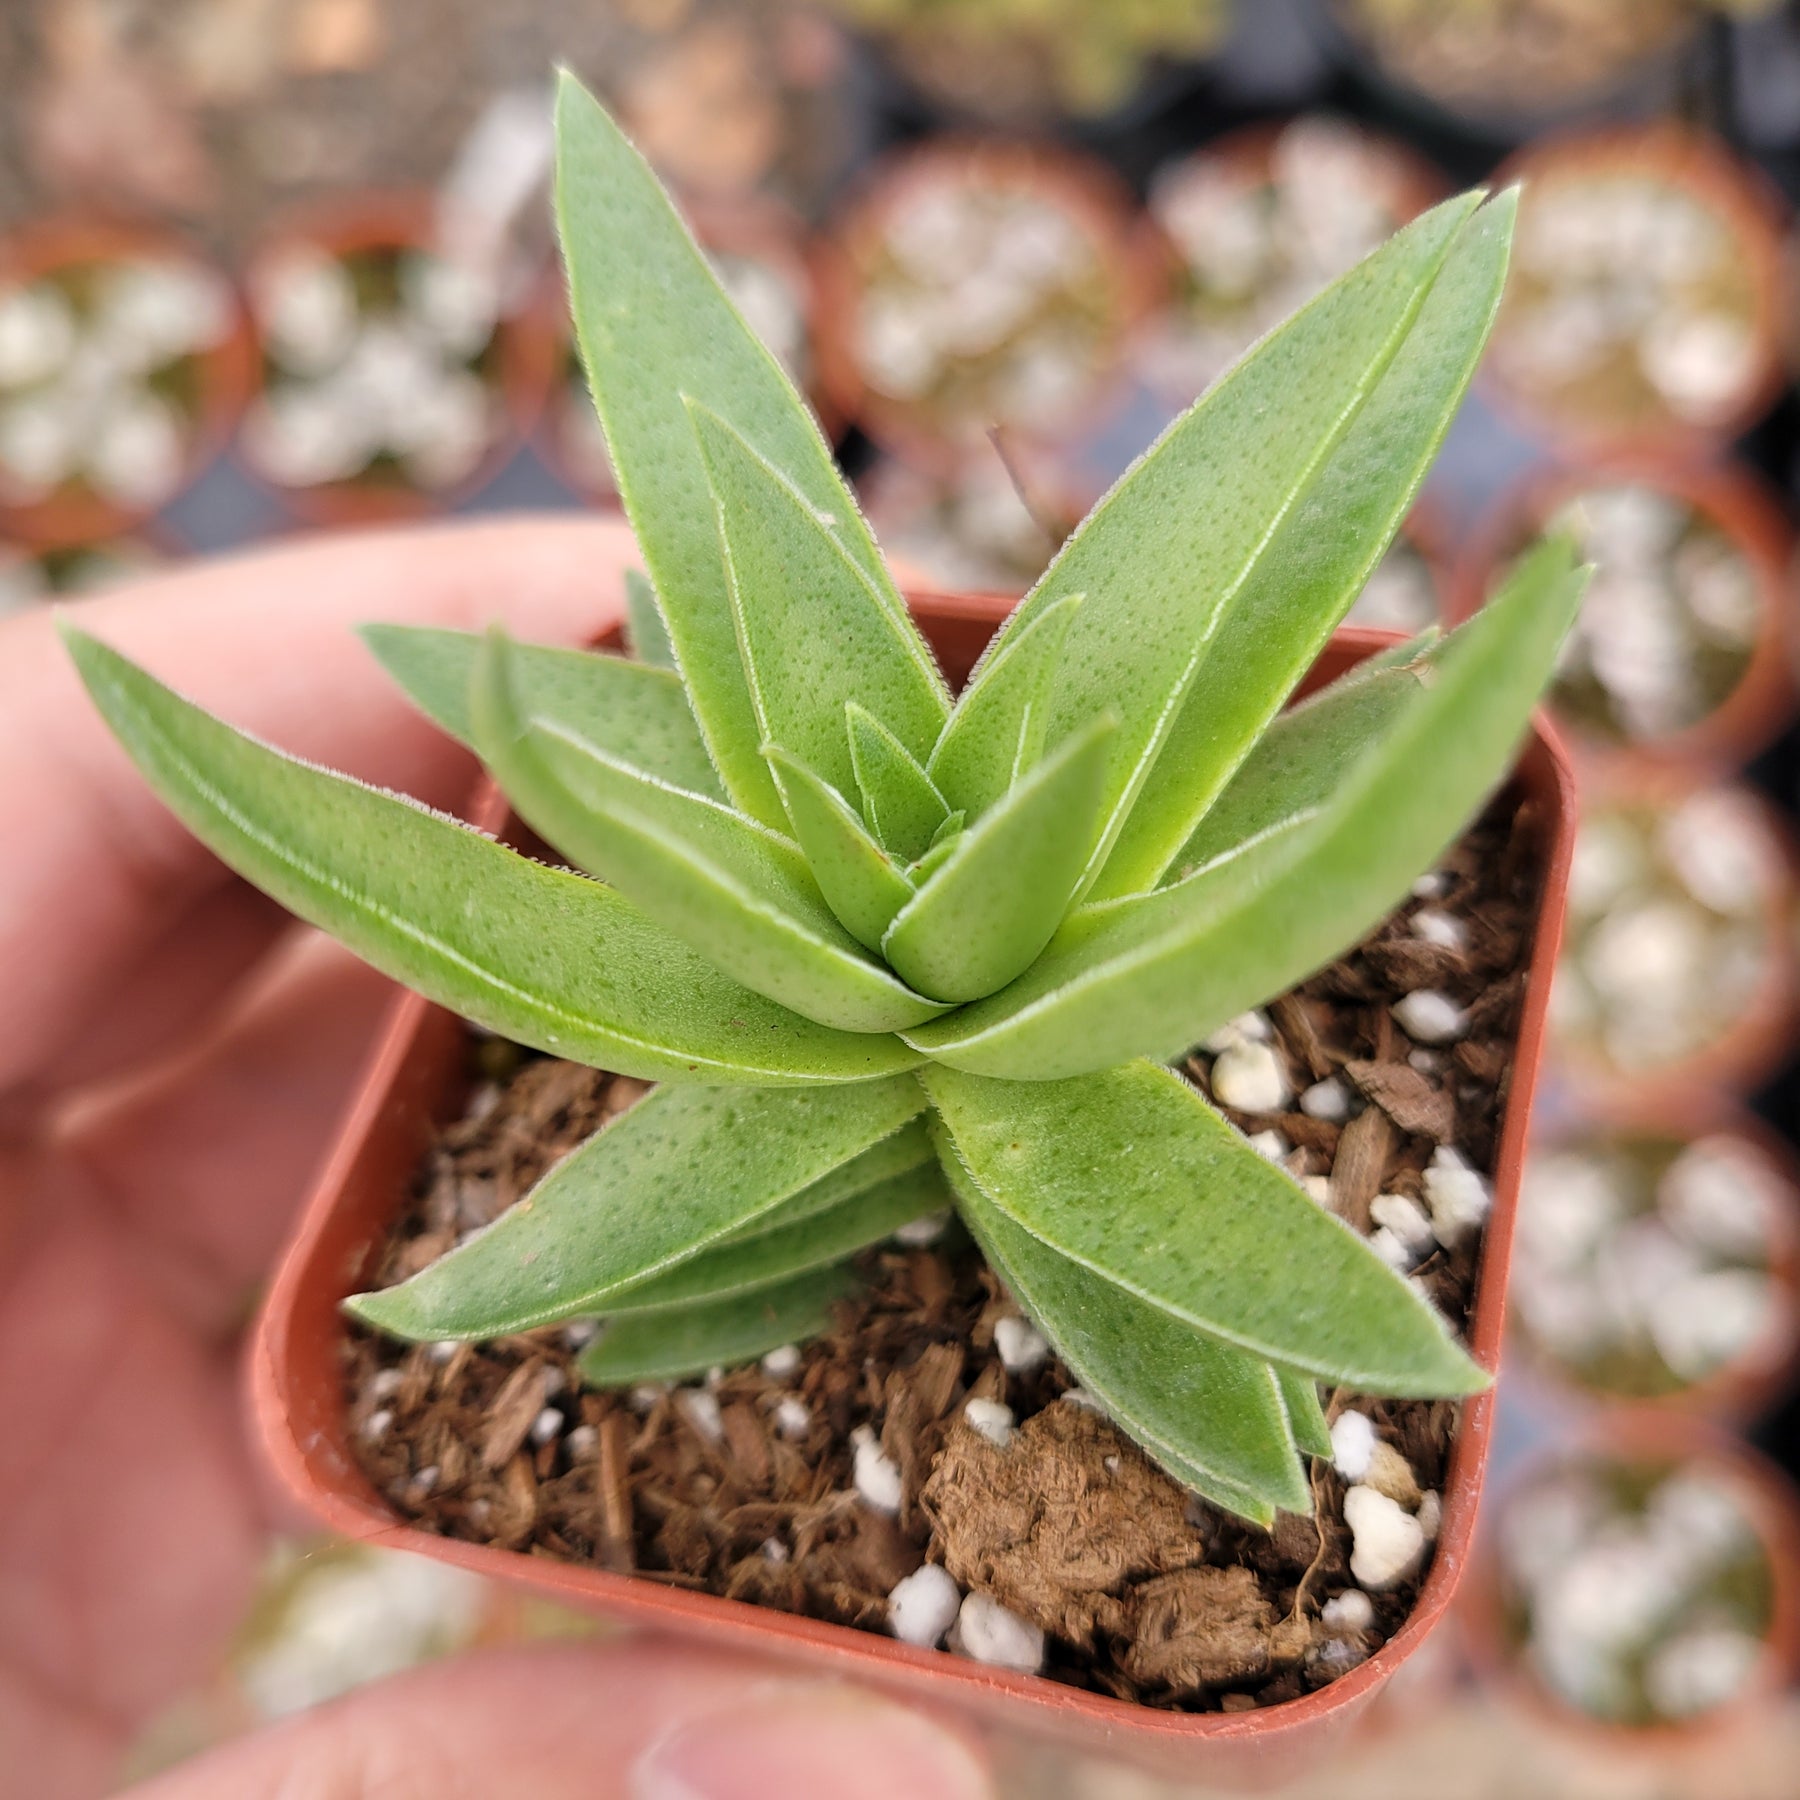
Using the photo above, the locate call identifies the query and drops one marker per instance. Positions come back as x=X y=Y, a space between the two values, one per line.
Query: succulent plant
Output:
x=883 y=950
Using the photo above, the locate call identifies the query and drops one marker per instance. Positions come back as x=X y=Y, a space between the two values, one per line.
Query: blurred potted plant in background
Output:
x=1642 y=1583
x=1680 y=654
x=393 y=380
x=1507 y=68
x=1257 y=222
x=974 y=287
x=124 y=363
x=1029 y=61
x=1645 y=307
x=1658 y=1257
x=1678 y=971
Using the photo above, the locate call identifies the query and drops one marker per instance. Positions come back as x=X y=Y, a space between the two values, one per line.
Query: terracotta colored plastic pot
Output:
x=1321 y=192
x=1734 y=502
x=1749 y=1383
x=1628 y=412
x=1653 y=1438
x=508 y=363
x=219 y=375
x=1119 y=282
x=1752 y=1042
x=417 y=1078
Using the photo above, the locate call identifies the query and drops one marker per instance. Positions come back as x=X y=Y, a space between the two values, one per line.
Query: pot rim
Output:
x=319 y=1473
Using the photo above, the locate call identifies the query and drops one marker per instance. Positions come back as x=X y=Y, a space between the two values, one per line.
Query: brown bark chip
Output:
x=1363 y=1150
x=1145 y=1592
x=1058 y=1521
x=1411 y=1099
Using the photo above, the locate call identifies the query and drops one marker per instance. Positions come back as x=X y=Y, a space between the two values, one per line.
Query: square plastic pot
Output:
x=416 y=1080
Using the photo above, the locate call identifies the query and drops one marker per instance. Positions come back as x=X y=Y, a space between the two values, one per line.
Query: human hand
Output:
x=173 y=1054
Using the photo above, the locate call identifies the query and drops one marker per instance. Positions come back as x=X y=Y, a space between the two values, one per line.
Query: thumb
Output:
x=620 y=1721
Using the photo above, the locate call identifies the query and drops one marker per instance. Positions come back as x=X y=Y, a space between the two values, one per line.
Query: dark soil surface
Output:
x=742 y=1485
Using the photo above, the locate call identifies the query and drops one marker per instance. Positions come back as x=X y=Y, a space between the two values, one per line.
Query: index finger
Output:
x=96 y=868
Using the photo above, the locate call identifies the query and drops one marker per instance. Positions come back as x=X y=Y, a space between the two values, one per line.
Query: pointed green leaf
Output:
x=1322 y=552
x=1200 y=1407
x=654 y=324
x=1293 y=774
x=1152 y=974
x=996 y=732
x=993 y=904
x=545 y=957
x=1164 y=556
x=900 y=805
x=943 y=846
x=737 y=892
x=1306 y=1417
x=634 y=712
x=901 y=1153
x=662 y=1183
x=814 y=630
x=645 y=630
x=668 y=1346
x=743 y=1266
x=1131 y=1174
x=858 y=878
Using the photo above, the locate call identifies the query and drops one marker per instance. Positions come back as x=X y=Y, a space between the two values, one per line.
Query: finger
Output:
x=97 y=868
x=182 y=981
x=626 y=1721
x=208 y=1160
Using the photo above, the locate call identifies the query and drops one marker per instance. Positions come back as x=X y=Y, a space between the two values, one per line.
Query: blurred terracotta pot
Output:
x=416 y=1080
x=1632 y=329
x=1754 y=704
x=1748 y=976
x=1744 y=1385
x=972 y=286
x=1251 y=225
x=328 y=306
x=1636 y=1439
x=206 y=384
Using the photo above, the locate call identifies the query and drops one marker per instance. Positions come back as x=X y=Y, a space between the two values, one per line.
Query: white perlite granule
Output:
x=1021 y=1345
x=876 y=1474
x=700 y=1408
x=781 y=1362
x=1460 y=1198
x=1428 y=1017
x=1248 y=1077
x=1351 y=1611
x=992 y=1418
x=1352 y=1444
x=792 y=1419
x=986 y=1632
x=1388 y=1540
x=923 y=1606
x=1328 y=1099
x=1440 y=928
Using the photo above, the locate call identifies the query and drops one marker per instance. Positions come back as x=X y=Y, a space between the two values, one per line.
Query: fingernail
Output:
x=798 y=1743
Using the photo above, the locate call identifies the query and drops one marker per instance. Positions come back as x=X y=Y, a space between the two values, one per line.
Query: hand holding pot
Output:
x=174 y=1052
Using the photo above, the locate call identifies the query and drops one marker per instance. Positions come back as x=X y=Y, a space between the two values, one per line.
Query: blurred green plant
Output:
x=884 y=951
x=1087 y=58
